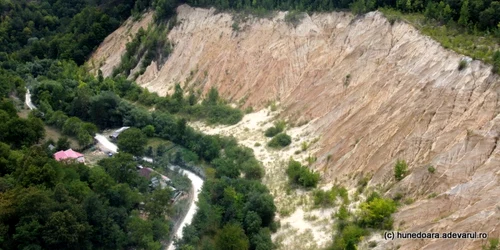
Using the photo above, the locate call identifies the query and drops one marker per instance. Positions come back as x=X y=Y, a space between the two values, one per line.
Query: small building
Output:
x=117 y=132
x=69 y=154
x=156 y=179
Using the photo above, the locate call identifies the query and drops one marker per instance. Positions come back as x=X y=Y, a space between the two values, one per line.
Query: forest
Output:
x=45 y=204
x=103 y=207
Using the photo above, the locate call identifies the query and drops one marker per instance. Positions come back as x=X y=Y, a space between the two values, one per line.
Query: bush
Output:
x=431 y=169
x=400 y=170
x=325 y=198
x=278 y=127
x=223 y=114
x=294 y=17
x=348 y=238
x=377 y=213
x=280 y=141
x=301 y=175
x=462 y=65
x=271 y=132
x=496 y=62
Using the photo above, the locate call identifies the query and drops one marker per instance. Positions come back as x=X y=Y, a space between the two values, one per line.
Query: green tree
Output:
x=377 y=213
x=149 y=130
x=400 y=170
x=158 y=204
x=262 y=240
x=63 y=230
x=62 y=143
x=232 y=237
x=122 y=168
x=132 y=141
x=464 y=14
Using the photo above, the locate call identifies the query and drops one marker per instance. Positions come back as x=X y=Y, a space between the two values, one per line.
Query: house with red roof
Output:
x=69 y=154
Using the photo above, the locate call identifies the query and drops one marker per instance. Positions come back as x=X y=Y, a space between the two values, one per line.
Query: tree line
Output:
x=480 y=14
x=45 y=204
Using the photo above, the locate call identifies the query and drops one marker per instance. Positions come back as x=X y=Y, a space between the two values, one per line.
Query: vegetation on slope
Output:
x=47 y=204
x=471 y=27
x=77 y=103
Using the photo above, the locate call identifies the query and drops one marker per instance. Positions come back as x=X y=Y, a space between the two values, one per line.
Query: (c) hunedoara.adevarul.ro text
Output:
x=392 y=235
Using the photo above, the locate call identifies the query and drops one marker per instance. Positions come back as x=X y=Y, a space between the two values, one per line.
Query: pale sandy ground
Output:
x=301 y=227
x=377 y=92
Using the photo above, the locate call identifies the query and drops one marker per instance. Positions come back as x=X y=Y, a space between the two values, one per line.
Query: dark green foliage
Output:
x=462 y=65
x=348 y=238
x=328 y=198
x=104 y=110
x=16 y=131
x=57 y=29
x=400 y=170
x=215 y=111
x=431 y=169
x=52 y=205
x=294 y=17
x=62 y=143
x=232 y=237
x=278 y=127
x=98 y=207
x=132 y=141
x=301 y=175
x=280 y=140
x=164 y=8
x=262 y=240
x=496 y=62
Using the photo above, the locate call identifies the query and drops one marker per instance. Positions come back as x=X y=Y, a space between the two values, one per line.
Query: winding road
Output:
x=28 y=100
x=196 y=181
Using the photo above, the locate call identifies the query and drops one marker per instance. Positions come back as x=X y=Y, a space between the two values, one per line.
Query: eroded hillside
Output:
x=373 y=92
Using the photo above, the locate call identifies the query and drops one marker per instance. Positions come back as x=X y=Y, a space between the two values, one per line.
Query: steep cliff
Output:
x=373 y=91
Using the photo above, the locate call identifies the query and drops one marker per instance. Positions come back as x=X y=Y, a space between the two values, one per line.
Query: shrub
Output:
x=493 y=244
x=301 y=175
x=280 y=140
x=278 y=127
x=348 y=238
x=270 y=132
x=377 y=213
x=462 y=65
x=223 y=114
x=327 y=198
x=324 y=198
x=496 y=62
x=362 y=183
x=294 y=17
x=304 y=146
x=400 y=170
x=431 y=169
x=236 y=26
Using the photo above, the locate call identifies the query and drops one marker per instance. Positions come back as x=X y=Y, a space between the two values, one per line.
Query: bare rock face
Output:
x=108 y=54
x=376 y=92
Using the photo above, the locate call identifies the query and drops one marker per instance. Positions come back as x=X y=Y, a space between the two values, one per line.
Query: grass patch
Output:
x=55 y=134
x=154 y=142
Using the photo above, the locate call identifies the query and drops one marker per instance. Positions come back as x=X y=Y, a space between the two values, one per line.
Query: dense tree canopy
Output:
x=45 y=204
x=132 y=141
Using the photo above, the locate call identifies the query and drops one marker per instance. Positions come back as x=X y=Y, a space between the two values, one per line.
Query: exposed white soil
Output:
x=372 y=91
x=301 y=226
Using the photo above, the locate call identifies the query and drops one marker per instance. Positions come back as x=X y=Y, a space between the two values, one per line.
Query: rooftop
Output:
x=68 y=154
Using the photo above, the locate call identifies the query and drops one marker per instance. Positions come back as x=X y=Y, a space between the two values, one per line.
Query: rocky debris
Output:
x=375 y=92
